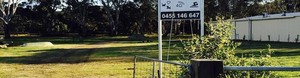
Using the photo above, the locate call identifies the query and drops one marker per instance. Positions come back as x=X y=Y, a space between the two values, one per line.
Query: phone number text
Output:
x=181 y=15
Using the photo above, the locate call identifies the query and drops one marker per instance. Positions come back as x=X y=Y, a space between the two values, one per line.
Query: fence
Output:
x=145 y=67
x=260 y=68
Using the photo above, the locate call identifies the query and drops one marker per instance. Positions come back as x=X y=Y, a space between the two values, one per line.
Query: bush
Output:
x=217 y=45
x=263 y=59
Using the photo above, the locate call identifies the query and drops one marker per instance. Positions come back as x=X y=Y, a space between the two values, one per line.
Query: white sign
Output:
x=180 y=9
x=180 y=5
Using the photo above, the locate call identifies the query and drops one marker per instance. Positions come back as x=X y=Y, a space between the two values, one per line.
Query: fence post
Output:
x=134 y=67
x=153 y=69
x=206 y=68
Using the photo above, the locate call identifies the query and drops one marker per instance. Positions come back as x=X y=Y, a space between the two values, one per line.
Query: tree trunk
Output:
x=83 y=27
x=198 y=28
x=191 y=25
x=176 y=28
x=117 y=23
x=6 y=31
x=183 y=27
x=167 y=30
x=113 y=29
x=112 y=24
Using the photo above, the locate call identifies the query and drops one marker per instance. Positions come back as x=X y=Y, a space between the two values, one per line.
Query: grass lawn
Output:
x=285 y=54
x=108 y=57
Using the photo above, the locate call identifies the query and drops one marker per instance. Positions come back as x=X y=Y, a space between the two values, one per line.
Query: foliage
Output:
x=217 y=45
x=125 y=17
x=263 y=59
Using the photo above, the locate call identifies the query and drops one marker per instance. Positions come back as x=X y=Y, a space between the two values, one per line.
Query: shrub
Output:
x=263 y=59
x=217 y=45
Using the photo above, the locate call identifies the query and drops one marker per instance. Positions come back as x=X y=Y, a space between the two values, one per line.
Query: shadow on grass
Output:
x=55 y=40
x=147 y=51
x=16 y=41
x=71 y=56
x=279 y=54
x=275 y=54
x=52 y=56
x=263 y=45
x=281 y=48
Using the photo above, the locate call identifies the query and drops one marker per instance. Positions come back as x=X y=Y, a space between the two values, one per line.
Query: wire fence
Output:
x=260 y=68
x=145 y=67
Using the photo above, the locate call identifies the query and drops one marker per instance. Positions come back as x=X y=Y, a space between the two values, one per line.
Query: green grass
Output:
x=109 y=57
x=285 y=54
x=105 y=57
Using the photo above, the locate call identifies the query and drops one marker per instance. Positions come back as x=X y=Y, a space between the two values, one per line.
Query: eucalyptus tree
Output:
x=292 y=5
x=112 y=9
x=48 y=12
x=297 y=5
x=8 y=8
x=77 y=10
x=280 y=6
x=147 y=16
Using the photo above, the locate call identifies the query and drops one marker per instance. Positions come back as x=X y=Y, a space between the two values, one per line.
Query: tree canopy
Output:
x=119 y=17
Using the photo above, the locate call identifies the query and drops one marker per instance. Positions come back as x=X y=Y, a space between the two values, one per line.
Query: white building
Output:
x=283 y=27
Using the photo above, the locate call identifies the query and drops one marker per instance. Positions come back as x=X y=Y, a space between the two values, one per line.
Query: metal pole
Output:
x=202 y=17
x=159 y=38
x=153 y=69
x=134 y=67
x=260 y=68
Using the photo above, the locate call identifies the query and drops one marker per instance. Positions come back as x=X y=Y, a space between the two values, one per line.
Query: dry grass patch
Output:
x=91 y=69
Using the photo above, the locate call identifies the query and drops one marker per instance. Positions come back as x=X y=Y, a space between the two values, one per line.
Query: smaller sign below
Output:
x=180 y=15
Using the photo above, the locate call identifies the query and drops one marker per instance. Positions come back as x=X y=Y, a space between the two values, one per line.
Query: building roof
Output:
x=271 y=16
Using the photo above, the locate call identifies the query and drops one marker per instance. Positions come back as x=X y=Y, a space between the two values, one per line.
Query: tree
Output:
x=132 y=26
x=147 y=16
x=277 y=6
x=113 y=8
x=8 y=9
x=47 y=12
x=78 y=9
x=86 y=14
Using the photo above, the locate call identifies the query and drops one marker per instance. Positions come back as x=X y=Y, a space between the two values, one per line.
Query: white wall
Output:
x=242 y=30
x=278 y=29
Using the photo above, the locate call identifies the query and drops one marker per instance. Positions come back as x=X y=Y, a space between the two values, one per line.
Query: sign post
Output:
x=178 y=10
x=202 y=18
x=159 y=39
